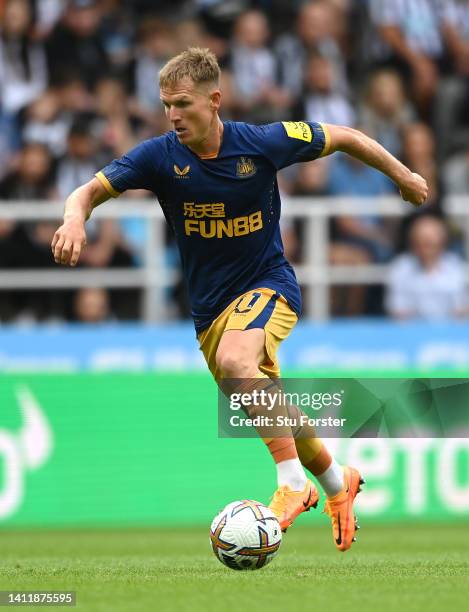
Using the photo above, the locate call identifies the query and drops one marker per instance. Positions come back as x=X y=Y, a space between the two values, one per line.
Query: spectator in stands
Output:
x=190 y=33
x=456 y=32
x=31 y=178
x=312 y=178
x=161 y=8
x=321 y=100
x=47 y=122
x=75 y=97
x=410 y=37
x=258 y=97
x=92 y=305
x=7 y=241
x=357 y=240
x=48 y=13
x=118 y=33
x=218 y=17
x=112 y=123
x=228 y=112
x=308 y=179
x=385 y=111
x=75 y=47
x=419 y=153
x=345 y=248
x=428 y=281
x=155 y=47
x=451 y=118
x=114 y=127
x=80 y=160
x=9 y=142
x=107 y=248
x=26 y=245
x=366 y=232
x=100 y=50
x=456 y=174
x=23 y=66
x=315 y=33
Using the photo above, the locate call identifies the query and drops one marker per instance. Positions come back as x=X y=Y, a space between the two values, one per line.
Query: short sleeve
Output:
x=290 y=142
x=137 y=169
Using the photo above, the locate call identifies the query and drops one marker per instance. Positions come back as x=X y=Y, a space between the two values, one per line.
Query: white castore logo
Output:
x=27 y=449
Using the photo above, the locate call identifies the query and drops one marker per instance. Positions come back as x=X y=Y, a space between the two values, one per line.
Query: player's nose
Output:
x=174 y=114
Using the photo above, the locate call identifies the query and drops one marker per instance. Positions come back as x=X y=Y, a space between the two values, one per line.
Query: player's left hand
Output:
x=414 y=189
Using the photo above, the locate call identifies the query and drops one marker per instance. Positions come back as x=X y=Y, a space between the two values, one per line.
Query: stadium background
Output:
x=105 y=418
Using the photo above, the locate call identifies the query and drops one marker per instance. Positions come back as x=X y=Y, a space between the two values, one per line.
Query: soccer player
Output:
x=216 y=183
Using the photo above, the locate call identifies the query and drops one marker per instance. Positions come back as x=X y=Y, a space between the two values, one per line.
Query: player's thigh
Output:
x=240 y=352
x=247 y=312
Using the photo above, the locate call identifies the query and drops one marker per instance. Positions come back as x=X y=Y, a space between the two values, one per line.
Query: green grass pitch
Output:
x=407 y=568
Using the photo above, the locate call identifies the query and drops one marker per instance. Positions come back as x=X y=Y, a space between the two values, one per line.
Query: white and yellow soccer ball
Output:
x=245 y=535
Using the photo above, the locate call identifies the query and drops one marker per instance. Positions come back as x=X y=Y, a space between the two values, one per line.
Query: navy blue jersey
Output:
x=224 y=210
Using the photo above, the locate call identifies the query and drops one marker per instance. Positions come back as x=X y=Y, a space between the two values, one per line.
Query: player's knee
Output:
x=235 y=364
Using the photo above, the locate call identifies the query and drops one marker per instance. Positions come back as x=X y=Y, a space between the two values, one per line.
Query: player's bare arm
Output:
x=412 y=186
x=70 y=238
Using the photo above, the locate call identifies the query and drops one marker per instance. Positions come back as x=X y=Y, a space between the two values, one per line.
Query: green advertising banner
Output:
x=144 y=449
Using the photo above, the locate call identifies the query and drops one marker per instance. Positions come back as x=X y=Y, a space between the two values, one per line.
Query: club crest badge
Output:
x=245 y=167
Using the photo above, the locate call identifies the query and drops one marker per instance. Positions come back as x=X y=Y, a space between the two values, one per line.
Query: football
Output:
x=245 y=535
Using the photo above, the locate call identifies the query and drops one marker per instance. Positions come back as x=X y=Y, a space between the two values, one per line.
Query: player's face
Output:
x=192 y=110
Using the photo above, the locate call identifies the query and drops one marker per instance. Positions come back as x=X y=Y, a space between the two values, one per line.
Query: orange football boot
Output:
x=287 y=504
x=340 y=509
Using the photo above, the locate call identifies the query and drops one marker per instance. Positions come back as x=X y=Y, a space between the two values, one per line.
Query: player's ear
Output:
x=215 y=99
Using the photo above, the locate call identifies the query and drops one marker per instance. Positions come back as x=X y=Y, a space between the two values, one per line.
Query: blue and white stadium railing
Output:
x=154 y=276
x=316 y=343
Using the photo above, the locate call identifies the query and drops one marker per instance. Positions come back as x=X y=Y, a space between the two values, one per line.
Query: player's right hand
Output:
x=414 y=189
x=68 y=242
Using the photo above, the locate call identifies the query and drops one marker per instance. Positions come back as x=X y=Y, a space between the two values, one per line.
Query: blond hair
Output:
x=198 y=64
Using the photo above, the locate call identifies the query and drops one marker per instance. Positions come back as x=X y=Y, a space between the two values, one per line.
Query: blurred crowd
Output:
x=79 y=87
